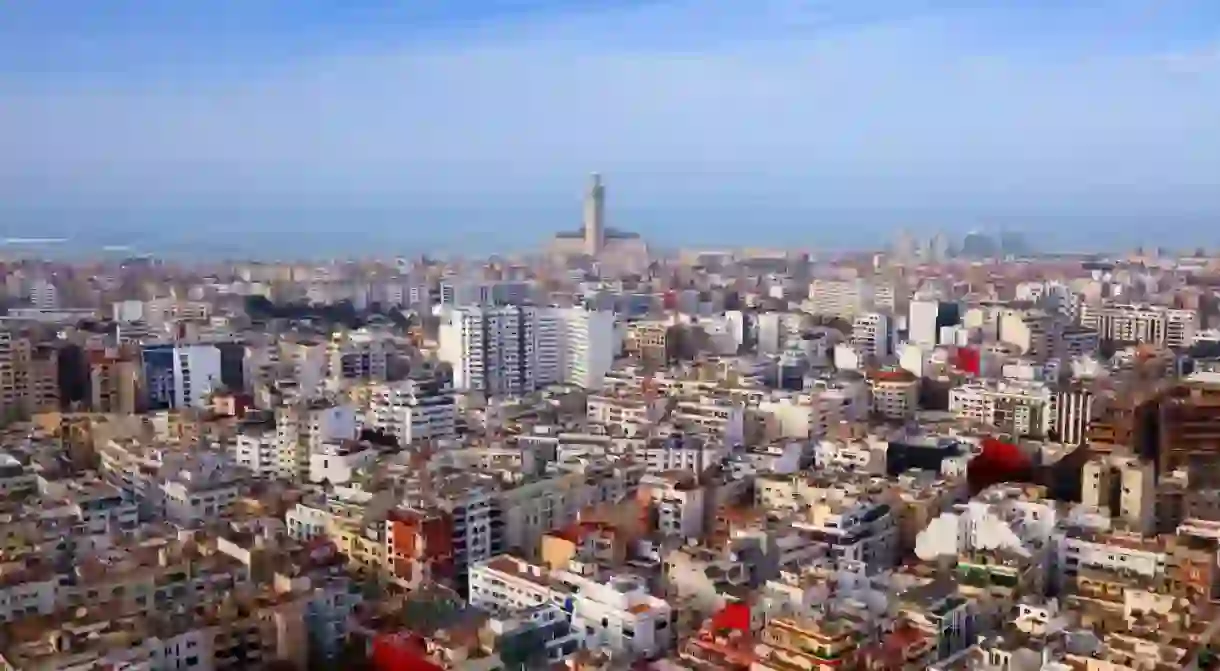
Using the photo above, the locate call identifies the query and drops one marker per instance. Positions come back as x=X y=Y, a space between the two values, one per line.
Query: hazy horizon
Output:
x=472 y=125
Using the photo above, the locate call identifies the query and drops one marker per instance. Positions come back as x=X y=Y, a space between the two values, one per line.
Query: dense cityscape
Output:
x=947 y=454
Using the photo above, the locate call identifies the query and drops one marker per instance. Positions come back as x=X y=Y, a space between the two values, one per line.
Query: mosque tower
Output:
x=595 y=217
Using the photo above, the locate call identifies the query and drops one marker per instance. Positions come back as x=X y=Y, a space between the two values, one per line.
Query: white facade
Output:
x=302 y=429
x=23 y=598
x=492 y=350
x=337 y=463
x=840 y=298
x=193 y=498
x=871 y=335
x=922 y=328
x=257 y=452
x=618 y=614
x=588 y=346
x=895 y=398
x=414 y=410
x=196 y=375
x=1150 y=324
x=1028 y=409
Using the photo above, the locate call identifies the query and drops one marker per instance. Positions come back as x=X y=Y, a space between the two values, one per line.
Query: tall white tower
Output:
x=595 y=216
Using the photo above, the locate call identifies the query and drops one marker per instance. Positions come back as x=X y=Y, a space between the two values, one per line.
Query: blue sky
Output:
x=442 y=123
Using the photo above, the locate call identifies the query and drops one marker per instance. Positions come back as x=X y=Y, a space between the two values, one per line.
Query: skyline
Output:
x=804 y=123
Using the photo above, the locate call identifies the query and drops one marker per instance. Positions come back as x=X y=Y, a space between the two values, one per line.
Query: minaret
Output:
x=595 y=216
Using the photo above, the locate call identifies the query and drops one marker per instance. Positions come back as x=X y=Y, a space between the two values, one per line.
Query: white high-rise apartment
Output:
x=587 y=348
x=515 y=350
x=493 y=350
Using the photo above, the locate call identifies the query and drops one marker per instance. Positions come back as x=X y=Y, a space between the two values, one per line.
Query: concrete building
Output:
x=840 y=298
x=872 y=335
x=587 y=347
x=423 y=407
x=180 y=376
x=1146 y=324
x=494 y=350
x=1124 y=487
x=356 y=355
x=301 y=430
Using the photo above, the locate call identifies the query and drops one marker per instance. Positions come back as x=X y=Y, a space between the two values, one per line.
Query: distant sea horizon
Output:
x=317 y=234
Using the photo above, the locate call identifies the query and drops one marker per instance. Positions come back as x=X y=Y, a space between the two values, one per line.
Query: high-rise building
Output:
x=594 y=216
x=492 y=350
x=515 y=350
x=588 y=345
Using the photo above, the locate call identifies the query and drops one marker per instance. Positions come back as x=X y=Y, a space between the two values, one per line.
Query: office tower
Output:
x=594 y=217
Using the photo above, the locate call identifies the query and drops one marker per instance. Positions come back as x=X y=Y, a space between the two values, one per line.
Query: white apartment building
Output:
x=1074 y=410
x=196 y=374
x=871 y=334
x=619 y=614
x=856 y=528
x=43 y=295
x=812 y=414
x=420 y=408
x=199 y=496
x=1149 y=324
x=258 y=452
x=587 y=347
x=923 y=328
x=357 y=355
x=337 y=463
x=28 y=592
x=493 y=350
x=1112 y=551
x=302 y=428
x=1023 y=409
x=682 y=453
x=1122 y=481
x=840 y=298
